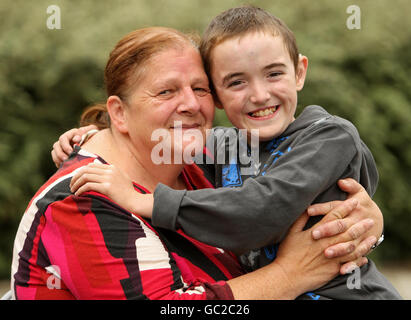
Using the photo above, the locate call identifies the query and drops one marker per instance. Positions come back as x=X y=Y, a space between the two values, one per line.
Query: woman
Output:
x=85 y=247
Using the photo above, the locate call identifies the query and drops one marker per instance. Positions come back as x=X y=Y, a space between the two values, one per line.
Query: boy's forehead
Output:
x=249 y=44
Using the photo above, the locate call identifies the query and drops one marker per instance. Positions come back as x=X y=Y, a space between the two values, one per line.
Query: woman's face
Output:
x=171 y=98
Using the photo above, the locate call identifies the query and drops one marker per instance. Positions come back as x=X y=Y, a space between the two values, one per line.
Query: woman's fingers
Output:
x=354 y=232
x=299 y=224
x=350 y=186
x=331 y=228
x=361 y=250
x=320 y=209
x=351 y=250
x=357 y=258
x=349 y=267
x=324 y=228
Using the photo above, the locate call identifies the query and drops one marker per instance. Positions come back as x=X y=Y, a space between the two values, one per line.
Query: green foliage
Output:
x=48 y=76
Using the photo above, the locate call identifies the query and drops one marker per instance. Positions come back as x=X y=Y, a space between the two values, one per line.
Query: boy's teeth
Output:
x=265 y=112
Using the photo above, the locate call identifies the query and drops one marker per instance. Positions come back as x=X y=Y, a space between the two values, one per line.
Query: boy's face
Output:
x=256 y=82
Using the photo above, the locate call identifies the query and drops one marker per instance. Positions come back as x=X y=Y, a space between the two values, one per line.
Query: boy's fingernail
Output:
x=76 y=138
x=329 y=253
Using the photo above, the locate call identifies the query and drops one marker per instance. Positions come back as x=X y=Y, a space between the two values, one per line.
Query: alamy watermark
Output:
x=54 y=19
x=354 y=280
x=54 y=280
x=226 y=145
x=354 y=19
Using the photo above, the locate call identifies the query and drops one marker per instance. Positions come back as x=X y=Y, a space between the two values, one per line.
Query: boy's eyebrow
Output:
x=231 y=75
x=272 y=65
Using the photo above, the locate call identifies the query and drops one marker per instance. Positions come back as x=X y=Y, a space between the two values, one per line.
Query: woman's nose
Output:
x=189 y=103
x=259 y=94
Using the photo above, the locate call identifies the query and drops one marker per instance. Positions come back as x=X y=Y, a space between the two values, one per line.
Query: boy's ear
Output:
x=117 y=112
x=301 y=71
x=217 y=102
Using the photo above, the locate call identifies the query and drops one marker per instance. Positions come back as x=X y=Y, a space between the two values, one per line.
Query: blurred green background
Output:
x=48 y=76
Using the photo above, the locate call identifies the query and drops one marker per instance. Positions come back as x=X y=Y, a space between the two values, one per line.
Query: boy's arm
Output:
x=261 y=211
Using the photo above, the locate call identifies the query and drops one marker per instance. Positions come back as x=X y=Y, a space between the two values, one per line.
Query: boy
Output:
x=256 y=71
x=253 y=62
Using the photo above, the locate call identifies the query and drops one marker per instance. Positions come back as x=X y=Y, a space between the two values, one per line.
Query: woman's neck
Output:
x=118 y=150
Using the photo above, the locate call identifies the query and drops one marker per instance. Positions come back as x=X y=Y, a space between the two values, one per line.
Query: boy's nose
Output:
x=259 y=94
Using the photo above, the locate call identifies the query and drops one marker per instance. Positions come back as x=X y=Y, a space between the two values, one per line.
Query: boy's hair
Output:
x=240 y=21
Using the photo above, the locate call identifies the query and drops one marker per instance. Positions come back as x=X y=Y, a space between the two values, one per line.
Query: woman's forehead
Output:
x=174 y=62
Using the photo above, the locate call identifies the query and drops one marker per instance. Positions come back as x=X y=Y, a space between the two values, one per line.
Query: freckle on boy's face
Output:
x=256 y=82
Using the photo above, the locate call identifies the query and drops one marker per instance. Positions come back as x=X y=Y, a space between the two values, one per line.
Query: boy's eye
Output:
x=275 y=74
x=234 y=83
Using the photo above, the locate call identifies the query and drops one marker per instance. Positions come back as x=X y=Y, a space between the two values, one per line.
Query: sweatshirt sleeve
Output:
x=261 y=211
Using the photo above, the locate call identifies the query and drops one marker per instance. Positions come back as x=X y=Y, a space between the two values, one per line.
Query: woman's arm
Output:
x=366 y=208
x=123 y=258
x=300 y=265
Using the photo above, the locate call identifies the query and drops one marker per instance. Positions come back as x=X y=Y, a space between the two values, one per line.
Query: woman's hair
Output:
x=127 y=62
x=237 y=22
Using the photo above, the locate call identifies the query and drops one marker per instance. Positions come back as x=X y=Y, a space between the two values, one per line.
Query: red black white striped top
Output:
x=89 y=247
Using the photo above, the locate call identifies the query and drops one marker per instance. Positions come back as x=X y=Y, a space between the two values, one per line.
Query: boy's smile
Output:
x=264 y=113
x=256 y=82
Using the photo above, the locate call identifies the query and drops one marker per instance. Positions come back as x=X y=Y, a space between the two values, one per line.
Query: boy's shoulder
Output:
x=315 y=117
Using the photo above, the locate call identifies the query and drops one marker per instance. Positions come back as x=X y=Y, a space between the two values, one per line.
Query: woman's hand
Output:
x=115 y=184
x=362 y=208
x=64 y=145
x=302 y=258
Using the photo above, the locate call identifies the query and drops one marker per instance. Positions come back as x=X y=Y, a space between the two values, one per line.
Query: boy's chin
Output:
x=267 y=135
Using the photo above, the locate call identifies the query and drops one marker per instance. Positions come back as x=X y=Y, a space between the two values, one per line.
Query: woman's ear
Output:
x=301 y=71
x=117 y=112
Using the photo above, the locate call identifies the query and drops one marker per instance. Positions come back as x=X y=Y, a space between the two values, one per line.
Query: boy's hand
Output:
x=115 y=184
x=64 y=145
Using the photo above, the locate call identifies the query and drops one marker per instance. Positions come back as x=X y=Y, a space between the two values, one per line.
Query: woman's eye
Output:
x=201 y=91
x=165 y=92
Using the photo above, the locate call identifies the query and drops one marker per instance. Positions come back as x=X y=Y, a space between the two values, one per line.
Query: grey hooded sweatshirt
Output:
x=255 y=202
